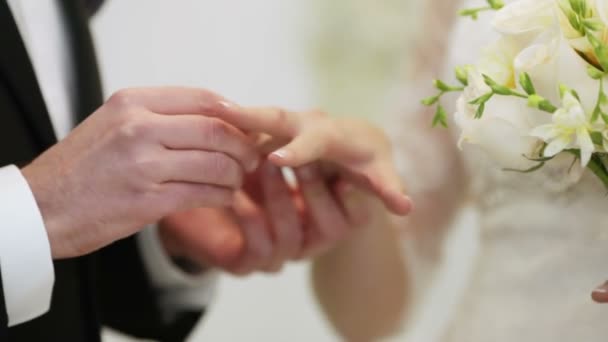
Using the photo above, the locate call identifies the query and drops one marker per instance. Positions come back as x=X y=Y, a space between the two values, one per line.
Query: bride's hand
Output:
x=355 y=146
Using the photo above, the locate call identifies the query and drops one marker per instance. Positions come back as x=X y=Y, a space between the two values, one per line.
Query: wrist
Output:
x=47 y=204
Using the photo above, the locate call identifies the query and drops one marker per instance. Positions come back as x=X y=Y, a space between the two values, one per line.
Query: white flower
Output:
x=570 y=129
x=502 y=131
x=525 y=17
x=602 y=10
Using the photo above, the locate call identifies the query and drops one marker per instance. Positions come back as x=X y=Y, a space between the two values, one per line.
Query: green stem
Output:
x=523 y=96
x=474 y=12
x=596 y=166
x=597 y=111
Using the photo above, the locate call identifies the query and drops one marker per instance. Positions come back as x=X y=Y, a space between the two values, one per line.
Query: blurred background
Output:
x=341 y=55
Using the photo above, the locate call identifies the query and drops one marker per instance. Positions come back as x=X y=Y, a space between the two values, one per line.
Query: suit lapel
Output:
x=17 y=71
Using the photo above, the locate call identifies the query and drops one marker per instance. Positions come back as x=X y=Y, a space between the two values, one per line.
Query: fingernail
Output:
x=227 y=104
x=282 y=154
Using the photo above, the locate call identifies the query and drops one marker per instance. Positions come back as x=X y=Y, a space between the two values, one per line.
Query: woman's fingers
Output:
x=384 y=181
x=328 y=222
x=283 y=215
x=308 y=147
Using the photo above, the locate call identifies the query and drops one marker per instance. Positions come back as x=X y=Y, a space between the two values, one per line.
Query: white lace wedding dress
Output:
x=542 y=241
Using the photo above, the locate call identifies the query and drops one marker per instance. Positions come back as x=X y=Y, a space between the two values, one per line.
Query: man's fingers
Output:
x=283 y=215
x=204 y=235
x=172 y=100
x=259 y=245
x=191 y=132
x=329 y=223
x=192 y=166
x=274 y=121
x=179 y=196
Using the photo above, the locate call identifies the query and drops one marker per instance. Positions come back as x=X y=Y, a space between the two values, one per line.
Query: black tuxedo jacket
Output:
x=109 y=287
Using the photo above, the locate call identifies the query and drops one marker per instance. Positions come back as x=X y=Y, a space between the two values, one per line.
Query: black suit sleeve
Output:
x=127 y=300
x=3 y=314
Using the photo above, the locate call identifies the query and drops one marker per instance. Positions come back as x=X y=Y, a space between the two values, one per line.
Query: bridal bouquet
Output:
x=538 y=90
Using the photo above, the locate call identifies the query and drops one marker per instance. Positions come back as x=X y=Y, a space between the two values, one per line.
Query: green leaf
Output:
x=489 y=81
x=572 y=17
x=530 y=170
x=470 y=12
x=502 y=90
x=597 y=138
x=482 y=99
x=439 y=84
x=597 y=167
x=593 y=24
x=496 y=4
x=543 y=159
x=480 y=110
x=597 y=113
x=601 y=100
x=441 y=117
x=603 y=97
x=462 y=74
x=429 y=101
x=563 y=89
x=601 y=53
x=594 y=72
x=578 y=6
x=526 y=83
x=539 y=102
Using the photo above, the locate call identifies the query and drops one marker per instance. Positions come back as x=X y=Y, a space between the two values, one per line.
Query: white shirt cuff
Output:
x=180 y=290
x=26 y=263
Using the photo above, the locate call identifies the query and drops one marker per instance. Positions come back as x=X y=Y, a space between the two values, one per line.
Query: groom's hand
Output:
x=144 y=154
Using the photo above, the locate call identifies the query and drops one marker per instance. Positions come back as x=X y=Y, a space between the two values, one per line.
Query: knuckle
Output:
x=123 y=98
x=134 y=129
x=226 y=169
x=207 y=102
x=144 y=167
x=283 y=120
x=215 y=131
